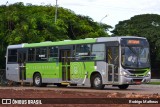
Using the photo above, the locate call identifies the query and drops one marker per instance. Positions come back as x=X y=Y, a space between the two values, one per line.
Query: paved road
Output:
x=138 y=89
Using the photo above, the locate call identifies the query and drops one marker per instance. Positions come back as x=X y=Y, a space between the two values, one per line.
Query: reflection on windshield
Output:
x=135 y=57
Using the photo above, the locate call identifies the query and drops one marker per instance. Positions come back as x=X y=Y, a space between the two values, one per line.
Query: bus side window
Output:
x=98 y=52
x=74 y=53
x=109 y=55
x=41 y=54
x=83 y=52
x=53 y=54
x=112 y=53
x=12 y=55
x=31 y=54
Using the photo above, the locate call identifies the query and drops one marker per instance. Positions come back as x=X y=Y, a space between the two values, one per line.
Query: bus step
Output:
x=65 y=83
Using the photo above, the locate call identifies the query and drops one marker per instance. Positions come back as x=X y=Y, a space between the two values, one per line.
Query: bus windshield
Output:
x=135 y=56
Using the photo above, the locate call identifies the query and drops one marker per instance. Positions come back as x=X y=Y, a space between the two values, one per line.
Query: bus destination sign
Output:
x=133 y=42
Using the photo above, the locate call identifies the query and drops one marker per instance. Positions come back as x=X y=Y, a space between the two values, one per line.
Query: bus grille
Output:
x=137 y=71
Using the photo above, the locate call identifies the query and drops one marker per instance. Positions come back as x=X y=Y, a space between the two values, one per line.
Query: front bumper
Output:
x=134 y=80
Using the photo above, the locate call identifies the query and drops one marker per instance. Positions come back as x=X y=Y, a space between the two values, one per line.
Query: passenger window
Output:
x=31 y=54
x=83 y=52
x=98 y=52
x=53 y=54
x=41 y=54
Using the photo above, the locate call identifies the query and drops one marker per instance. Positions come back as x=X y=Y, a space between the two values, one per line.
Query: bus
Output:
x=95 y=62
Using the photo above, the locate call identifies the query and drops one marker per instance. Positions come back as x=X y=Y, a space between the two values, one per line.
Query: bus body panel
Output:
x=79 y=71
x=12 y=72
x=48 y=71
x=12 y=68
x=102 y=69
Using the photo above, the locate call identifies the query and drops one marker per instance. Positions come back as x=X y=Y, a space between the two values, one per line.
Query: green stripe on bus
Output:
x=67 y=42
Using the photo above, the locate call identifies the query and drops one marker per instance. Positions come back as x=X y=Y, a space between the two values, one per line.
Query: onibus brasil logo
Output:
x=21 y=101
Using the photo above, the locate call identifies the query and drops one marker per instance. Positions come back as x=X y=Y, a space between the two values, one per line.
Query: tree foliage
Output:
x=146 y=25
x=31 y=23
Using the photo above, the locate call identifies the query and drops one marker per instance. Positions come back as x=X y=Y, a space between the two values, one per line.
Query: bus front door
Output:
x=65 y=58
x=113 y=63
x=21 y=63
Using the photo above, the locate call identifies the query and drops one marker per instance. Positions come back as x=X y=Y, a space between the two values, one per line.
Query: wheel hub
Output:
x=97 y=81
x=37 y=80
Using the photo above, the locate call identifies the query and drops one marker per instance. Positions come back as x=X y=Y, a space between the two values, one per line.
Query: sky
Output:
x=103 y=11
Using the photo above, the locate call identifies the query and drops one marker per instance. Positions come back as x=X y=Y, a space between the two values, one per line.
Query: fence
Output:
x=3 y=80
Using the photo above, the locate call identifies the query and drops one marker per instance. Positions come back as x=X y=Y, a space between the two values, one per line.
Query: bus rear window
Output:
x=12 y=55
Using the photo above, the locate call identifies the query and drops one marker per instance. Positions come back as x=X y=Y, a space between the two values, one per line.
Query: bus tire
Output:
x=123 y=87
x=37 y=80
x=96 y=82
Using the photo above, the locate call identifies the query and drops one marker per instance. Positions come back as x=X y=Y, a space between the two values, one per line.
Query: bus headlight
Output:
x=148 y=74
x=125 y=74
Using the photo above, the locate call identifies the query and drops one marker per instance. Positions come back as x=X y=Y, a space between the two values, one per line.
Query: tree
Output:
x=31 y=23
x=146 y=25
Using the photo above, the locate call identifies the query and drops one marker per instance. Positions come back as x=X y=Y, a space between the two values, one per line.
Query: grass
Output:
x=154 y=83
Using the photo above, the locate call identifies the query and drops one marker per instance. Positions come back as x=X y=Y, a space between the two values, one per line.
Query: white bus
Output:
x=117 y=61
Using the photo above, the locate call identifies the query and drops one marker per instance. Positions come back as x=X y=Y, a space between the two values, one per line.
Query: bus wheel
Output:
x=97 y=81
x=37 y=80
x=123 y=87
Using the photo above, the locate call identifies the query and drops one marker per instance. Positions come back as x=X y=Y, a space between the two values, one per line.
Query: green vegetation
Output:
x=154 y=83
x=31 y=23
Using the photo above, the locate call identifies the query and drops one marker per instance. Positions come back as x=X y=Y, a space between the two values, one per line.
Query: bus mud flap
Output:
x=86 y=74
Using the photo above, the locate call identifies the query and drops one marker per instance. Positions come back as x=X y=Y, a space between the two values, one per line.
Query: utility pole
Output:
x=56 y=12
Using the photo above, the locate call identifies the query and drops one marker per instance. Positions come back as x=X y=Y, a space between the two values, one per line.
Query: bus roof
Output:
x=15 y=46
x=65 y=42
x=70 y=42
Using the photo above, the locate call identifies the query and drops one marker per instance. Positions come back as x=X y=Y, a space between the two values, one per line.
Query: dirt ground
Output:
x=61 y=97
